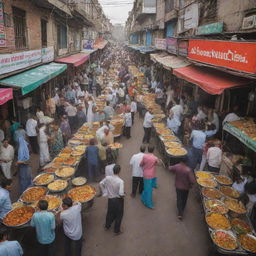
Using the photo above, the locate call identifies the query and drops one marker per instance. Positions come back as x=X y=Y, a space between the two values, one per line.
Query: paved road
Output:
x=147 y=232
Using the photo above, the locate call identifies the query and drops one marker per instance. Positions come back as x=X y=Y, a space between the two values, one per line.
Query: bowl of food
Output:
x=79 y=181
x=217 y=221
x=223 y=180
x=43 y=179
x=229 y=192
x=248 y=242
x=211 y=193
x=65 y=172
x=18 y=216
x=216 y=206
x=33 y=194
x=207 y=182
x=224 y=239
x=240 y=226
x=235 y=206
x=82 y=194
x=54 y=202
x=204 y=175
x=57 y=186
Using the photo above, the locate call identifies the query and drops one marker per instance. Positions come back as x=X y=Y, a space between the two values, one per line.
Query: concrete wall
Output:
x=33 y=19
x=231 y=12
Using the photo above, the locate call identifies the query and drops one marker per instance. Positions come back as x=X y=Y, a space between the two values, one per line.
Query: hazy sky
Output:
x=117 y=10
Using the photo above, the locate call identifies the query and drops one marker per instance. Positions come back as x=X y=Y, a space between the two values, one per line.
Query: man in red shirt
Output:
x=184 y=179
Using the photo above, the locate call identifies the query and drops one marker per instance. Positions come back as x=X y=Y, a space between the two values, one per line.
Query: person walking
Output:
x=71 y=218
x=184 y=179
x=57 y=143
x=44 y=223
x=127 y=123
x=44 y=156
x=65 y=129
x=6 y=158
x=133 y=109
x=5 y=201
x=113 y=187
x=24 y=170
x=148 y=164
x=8 y=248
x=92 y=156
x=147 y=125
x=137 y=171
x=31 y=129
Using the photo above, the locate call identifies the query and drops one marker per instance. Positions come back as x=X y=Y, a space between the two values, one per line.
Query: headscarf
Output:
x=23 y=152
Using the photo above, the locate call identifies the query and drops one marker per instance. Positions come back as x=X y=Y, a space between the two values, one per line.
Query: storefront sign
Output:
x=2 y=27
x=5 y=95
x=183 y=48
x=88 y=44
x=234 y=55
x=171 y=45
x=213 y=28
x=16 y=61
x=160 y=43
x=48 y=54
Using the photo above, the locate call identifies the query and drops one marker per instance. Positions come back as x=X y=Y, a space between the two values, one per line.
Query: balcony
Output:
x=145 y=7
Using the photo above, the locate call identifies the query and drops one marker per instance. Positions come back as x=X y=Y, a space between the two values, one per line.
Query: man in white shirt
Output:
x=137 y=171
x=173 y=122
x=31 y=129
x=231 y=117
x=72 y=225
x=214 y=157
x=177 y=110
x=113 y=188
x=133 y=109
x=127 y=123
x=71 y=113
x=6 y=158
x=147 y=125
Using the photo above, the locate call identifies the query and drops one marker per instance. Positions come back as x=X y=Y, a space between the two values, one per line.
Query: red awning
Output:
x=5 y=95
x=210 y=80
x=76 y=59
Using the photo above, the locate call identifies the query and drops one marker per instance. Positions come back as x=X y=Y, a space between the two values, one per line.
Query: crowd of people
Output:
x=47 y=132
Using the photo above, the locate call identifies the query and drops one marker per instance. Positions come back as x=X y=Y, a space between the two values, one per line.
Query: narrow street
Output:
x=146 y=232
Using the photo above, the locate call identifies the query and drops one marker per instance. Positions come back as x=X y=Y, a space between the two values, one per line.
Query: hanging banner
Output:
x=47 y=54
x=20 y=60
x=183 y=48
x=5 y=95
x=2 y=27
x=171 y=45
x=213 y=28
x=239 y=56
x=160 y=43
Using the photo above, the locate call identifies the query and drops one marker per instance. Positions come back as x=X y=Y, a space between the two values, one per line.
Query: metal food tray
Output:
x=25 y=202
x=45 y=184
x=22 y=225
x=238 y=251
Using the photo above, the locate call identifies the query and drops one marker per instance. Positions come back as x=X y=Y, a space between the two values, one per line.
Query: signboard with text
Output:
x=160 y=43
x=234 y=55
x=20 y=60
x=47 y=54
x=171 y=45
x=183 y=48
x=212 y=28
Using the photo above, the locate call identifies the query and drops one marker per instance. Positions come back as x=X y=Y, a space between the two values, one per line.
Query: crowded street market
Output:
x=128 y=149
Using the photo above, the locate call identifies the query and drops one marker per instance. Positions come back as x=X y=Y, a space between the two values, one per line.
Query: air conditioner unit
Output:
x=249 y=22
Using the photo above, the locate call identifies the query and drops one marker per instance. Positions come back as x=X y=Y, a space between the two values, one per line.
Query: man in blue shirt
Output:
x=5 y=201
x=198 y=138
x=44 y=222
x=9 y=248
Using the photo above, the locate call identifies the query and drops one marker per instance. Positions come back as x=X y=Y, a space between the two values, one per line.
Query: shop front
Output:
x=28 y=92
x=6 y=104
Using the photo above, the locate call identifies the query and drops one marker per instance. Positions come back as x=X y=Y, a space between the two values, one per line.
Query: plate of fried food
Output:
x=65 y=172
x=33 y=194
x=43 y=179
x=235 y=205
x=211 y=193
x=80 y=148
x=159 y=125
x=67 y=150
x=172 y=144
x=18 y=216
x=218 y=221
x=168 y=138
x=248 y=242
x=204 y=175
x=208 y=183
x=214 y=205
x=179 y=151
x=70 y=161
x=58 y=185
x=82 y=194
x=224 y=239
x=163 y=131
x=223 y=180
x=229 y=191
x=64 y=155
x=54 y=202
x=50 y=170
x=115 y=145
x=240 y=226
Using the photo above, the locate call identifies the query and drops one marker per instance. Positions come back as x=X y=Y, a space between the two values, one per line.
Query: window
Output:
x=62 y=36
x=20 y=28
x=44 y=33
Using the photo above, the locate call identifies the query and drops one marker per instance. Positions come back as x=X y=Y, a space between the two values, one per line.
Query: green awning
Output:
x=29 y=80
